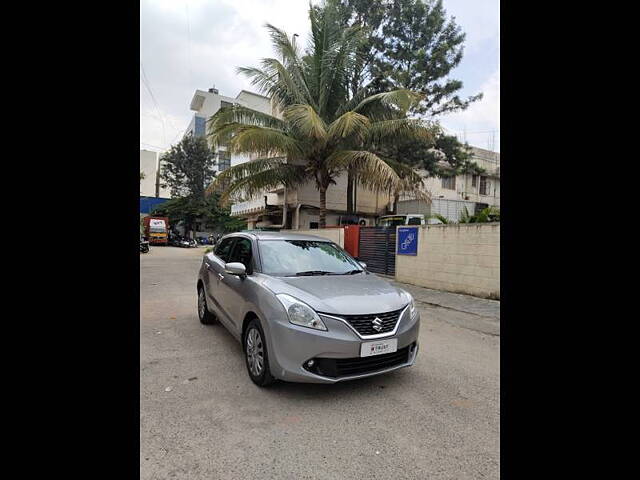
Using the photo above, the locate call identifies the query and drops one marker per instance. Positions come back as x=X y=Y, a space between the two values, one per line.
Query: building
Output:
x=151 y=191
x=206 y=104
x=450 y=195
x=299 y=208
x=149 y=168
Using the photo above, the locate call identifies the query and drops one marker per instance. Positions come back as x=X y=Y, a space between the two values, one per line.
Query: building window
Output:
x=224 y=104
x=449 y=183
x=474 y=180
x=199 y=127
x=224 y=160
x=485 y=186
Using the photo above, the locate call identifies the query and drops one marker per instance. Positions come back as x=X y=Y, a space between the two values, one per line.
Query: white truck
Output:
x=405 y=219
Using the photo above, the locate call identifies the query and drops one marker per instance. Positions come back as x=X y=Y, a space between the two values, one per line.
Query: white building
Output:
x=205 y=104
x=150 y=185
x=451 y=194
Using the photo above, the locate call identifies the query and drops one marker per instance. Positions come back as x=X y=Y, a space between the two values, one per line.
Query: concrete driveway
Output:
x=201 y=417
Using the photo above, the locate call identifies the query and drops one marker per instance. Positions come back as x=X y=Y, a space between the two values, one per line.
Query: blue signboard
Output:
x=407 y=241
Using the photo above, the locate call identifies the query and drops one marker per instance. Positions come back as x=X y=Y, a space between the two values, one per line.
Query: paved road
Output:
x=439 y=419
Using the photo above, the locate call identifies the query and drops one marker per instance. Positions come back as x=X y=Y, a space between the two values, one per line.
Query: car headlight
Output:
x=412 y=306
x=300 y=313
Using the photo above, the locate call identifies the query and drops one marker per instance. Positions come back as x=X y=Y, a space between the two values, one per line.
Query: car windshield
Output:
x=305 y=257
x=391 y=221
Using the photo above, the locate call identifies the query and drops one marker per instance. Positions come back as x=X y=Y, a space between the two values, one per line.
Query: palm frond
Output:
x=246 y=169
x=306 y=120
x=373 y=172
x=354 y=101
x=265 y=142
x=336 y=63
x=402 y=98
x=405 y=172
x=229 y=120
x=348 y=124
x=411 y=182
x=401 y=127
x=280 y=175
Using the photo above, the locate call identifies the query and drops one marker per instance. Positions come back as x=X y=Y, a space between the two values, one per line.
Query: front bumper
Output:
x=291 y=346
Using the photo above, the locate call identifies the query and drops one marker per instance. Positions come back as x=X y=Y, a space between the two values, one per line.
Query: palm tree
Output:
x=321 y=132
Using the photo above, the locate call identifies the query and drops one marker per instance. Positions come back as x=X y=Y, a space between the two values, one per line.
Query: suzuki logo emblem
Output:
x=377 y=324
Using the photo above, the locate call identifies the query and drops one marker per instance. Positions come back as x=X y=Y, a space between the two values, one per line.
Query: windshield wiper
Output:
x=352 y=272
x=309 y=273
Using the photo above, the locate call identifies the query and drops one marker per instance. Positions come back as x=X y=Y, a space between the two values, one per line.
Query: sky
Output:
x=195 y=44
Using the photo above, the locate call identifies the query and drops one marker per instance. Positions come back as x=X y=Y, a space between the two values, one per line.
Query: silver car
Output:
x=305 y=310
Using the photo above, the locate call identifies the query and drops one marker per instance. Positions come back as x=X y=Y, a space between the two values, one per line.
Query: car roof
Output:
x=266 y=235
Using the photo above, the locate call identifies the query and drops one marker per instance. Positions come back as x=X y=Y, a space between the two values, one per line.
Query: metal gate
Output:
x=377 y=248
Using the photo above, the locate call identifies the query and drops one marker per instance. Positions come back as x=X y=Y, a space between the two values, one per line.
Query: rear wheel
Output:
x=256 y=355
x=205 y=316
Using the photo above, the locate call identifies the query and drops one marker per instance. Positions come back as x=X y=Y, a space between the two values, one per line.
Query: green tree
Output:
x=209 y=211
x=489 y=214
x=187 y=169
x=324 y=131
x=411 y=44
x=408 y=44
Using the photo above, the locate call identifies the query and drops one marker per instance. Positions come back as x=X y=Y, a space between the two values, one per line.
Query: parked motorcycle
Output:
x=144 y=246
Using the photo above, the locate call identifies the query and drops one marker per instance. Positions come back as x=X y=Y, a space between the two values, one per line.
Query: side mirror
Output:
x=235 y=268
x=363 y=265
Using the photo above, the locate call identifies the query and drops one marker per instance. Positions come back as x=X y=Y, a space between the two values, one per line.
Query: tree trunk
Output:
x=323 y=207
x=350 y=206
x=396 y=197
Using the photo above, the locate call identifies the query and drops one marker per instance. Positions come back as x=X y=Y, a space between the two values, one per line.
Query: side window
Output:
x=242 y=253
x=414 y=221
x=224 y=249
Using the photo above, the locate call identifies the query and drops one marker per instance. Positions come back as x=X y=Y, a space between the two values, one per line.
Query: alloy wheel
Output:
x=202 y=304
x=255 y=352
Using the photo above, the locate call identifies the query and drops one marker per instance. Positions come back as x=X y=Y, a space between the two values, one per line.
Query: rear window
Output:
x=391 y=221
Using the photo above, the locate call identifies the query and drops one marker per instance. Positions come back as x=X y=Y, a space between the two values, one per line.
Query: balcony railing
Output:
x=255 y=205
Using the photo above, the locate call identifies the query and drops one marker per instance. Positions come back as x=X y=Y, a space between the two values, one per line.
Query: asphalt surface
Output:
x=201 y=417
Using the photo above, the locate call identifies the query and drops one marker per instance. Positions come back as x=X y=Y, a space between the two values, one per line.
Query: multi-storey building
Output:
x=151 y=191
x=205 y=104
x=450 y=195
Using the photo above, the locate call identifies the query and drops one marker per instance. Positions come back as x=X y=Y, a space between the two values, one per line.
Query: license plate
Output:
x=378 y=348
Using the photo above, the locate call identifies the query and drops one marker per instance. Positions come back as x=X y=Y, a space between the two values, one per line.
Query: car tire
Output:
x=256 y=355
x=205 y=316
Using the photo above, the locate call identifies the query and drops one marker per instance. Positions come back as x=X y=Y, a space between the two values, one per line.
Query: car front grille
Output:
x=364 y=323
x=344 y=367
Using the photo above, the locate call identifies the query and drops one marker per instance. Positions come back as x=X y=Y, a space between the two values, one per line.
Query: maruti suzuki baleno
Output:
x=305 y=310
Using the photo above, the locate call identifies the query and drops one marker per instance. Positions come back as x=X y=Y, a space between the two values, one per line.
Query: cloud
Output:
x=193 y=44
x=481 y=118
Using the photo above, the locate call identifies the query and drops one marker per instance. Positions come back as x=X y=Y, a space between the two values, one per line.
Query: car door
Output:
x=215 y=263
x=234 y=290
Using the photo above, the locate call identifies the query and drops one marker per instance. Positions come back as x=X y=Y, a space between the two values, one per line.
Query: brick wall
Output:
x=462 y=258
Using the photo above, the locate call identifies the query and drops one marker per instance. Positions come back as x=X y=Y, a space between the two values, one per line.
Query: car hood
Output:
x=342 y=294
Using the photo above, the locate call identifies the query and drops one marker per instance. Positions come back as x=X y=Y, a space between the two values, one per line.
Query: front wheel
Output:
x=205 y=316
x=256 y=355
